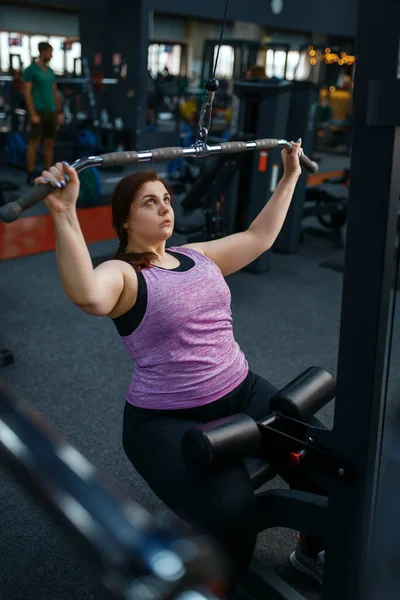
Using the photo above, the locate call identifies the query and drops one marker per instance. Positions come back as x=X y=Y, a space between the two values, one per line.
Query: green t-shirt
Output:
x=42 y=88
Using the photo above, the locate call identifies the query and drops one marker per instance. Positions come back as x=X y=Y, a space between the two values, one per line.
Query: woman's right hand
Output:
x=65 y=194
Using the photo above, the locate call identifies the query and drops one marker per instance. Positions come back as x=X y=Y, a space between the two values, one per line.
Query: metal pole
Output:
x=367 y=289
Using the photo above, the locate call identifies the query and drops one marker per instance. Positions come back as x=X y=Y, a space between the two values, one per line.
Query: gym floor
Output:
x=73 y=369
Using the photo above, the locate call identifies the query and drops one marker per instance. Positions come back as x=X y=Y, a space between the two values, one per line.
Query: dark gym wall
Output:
x=72 y=4
x=335 y=18
x=40 y=20
x=122 y=28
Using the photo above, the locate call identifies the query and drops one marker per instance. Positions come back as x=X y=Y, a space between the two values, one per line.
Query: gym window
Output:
x=14 y=49
x=275 y=62
x=163 y=56
x=297 y=67
x=225 y=61
x=303 y=69
x=21 y=49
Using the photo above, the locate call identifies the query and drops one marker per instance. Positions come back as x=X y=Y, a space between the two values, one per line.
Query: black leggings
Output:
x=221 y=503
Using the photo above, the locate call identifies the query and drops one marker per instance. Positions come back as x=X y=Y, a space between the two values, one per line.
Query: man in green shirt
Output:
x=44 y=108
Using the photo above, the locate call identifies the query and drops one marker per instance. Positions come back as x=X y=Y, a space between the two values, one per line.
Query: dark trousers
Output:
x=221 y=503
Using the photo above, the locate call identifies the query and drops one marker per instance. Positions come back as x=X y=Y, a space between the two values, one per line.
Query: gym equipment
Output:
x=216 y=444
x=96 y=131
x=97 y=79
x=90 y=188
x=259 y=106
x=328 y=202
x=366 y=372
x=13 y=210
x=208 y=208
x=273 y=106
x=301 y=117
x=209 y=219
x=333 y=193
x=8 y=191
x=165 y=92
x=213 y=195
x=282 y=442
x=89 y=88
x=385 y=577
x=12 y=99
x=15 y=147
x=86 y=142
x=133 y=554
x=84 y=87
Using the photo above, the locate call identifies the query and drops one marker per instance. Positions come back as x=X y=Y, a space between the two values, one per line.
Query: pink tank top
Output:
x=184 y=352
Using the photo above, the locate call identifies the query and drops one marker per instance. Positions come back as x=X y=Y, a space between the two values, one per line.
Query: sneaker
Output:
x=309 y=566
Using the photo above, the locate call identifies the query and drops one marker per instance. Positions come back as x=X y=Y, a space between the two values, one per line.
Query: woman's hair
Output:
x=121 y=201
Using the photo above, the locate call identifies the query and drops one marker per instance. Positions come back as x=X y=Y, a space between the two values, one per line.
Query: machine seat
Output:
x=261 y=470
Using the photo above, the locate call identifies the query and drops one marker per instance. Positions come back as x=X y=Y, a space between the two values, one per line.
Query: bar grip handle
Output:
x=266 y=144
x=114 y=159
x=12 y=210
x=232 y=147
x=309 y=165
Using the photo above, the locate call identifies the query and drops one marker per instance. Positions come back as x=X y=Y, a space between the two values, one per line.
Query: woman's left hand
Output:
x=290 y=159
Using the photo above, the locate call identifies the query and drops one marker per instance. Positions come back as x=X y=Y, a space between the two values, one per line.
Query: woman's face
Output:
x=151 y=219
